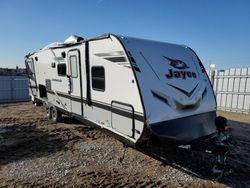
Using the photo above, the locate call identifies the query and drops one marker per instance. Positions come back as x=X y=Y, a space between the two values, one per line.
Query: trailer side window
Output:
x=73 y=66
x=98 y=78
x=61 y=69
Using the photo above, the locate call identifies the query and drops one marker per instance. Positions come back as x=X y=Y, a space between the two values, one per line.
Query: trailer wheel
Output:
x=48 y=110
x=36 y=103
x=55 y=114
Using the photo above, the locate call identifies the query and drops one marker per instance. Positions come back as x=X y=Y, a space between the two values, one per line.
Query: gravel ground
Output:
x=35 y=152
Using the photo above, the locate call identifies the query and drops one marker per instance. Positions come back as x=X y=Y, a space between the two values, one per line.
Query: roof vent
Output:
x=73 y=39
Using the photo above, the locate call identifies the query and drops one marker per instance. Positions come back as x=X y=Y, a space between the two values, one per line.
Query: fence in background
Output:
x=14 y=89
x=232 y=89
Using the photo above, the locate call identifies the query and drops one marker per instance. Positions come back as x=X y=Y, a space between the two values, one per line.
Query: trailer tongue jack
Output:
x=221 y=147
x=216 y=144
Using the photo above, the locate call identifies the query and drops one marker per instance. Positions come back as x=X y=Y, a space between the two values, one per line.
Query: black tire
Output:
x=37 y=103
x=48 y=112
x=55 y=114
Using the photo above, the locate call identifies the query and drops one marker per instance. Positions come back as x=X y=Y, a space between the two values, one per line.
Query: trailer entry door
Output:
x=75 y=76
x=32 y=77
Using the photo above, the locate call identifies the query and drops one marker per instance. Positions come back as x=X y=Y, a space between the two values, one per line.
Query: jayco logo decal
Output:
x=181 y=72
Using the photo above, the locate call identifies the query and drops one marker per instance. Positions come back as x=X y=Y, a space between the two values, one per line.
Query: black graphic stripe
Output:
x=183 y=91
x=116 y=59
x=115 y=53
x=160 y=96
x=101 y=105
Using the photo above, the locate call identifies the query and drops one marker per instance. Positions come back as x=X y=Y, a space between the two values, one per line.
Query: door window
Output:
x=73 y=66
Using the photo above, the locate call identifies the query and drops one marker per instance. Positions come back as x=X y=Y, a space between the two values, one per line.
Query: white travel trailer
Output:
x=134 y=88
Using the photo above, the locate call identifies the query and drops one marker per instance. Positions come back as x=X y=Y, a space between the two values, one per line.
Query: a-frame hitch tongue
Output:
x=215 y=144
x=220 y=149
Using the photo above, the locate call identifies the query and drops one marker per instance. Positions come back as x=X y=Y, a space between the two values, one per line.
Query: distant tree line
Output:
x=12 y=72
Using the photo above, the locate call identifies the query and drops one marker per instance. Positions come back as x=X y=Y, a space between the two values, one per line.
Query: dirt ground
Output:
x=35 y=152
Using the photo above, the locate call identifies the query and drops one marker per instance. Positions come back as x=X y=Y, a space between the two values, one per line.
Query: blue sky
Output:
x=218 y=30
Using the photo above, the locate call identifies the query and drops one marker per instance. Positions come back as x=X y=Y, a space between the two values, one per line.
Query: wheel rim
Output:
x=53 y=113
